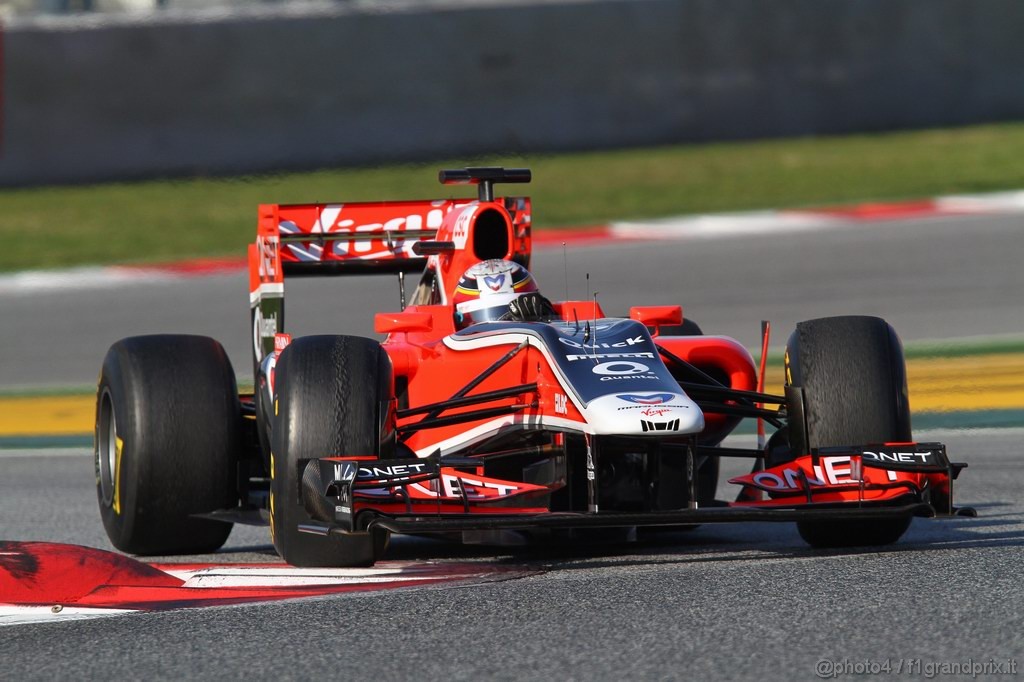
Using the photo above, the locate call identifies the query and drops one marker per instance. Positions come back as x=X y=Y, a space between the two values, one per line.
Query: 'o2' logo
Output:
x=620 y=368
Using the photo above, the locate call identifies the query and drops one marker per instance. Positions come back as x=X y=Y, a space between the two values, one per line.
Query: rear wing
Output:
x=346 y=239
x=357 y=238
x=362 y=238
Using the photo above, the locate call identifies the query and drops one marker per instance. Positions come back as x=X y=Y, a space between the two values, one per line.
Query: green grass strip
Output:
x=945 y=348
x=174 y=219
x=958 y=348
x=977 y=419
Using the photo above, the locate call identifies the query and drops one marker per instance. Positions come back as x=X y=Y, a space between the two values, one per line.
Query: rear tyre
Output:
x=332 y=396
x=853 y=378
x=167 y=443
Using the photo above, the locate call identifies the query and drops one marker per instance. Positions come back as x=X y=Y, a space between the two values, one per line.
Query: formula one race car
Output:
x=489 y=411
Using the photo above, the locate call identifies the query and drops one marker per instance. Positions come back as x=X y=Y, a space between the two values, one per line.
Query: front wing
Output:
x=435 y=494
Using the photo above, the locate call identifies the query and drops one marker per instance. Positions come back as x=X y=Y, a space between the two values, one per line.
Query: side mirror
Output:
x=657 y=315
x=389 y=323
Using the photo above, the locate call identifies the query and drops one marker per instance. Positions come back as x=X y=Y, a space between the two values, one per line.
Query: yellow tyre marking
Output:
x=272 y=494
x=118 y=447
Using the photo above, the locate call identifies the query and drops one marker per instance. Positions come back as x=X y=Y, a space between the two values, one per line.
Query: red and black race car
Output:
x=488 y=409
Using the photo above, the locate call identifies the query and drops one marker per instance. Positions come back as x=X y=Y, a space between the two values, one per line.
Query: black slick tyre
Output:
x=331 y=398
x=166 y=444
x=852 y=376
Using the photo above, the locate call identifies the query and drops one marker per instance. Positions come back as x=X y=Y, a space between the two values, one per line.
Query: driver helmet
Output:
x=485 y=290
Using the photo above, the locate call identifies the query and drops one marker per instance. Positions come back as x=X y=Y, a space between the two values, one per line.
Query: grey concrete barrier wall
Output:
x=363 y=85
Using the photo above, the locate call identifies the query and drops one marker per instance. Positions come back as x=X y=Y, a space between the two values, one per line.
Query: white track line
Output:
x=717 y=226
x=996 y=202
x=703 y=226
x=41 y=281
x=11 y=614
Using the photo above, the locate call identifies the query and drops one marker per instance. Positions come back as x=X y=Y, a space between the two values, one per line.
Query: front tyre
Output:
x=166 y=443
x=854 y=382
x=332 y=397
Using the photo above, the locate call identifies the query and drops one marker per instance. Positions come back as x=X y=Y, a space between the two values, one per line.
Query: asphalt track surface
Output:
x=725 y=602
x=936 y=278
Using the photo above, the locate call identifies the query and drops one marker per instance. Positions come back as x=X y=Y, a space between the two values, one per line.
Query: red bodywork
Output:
x=442 y=239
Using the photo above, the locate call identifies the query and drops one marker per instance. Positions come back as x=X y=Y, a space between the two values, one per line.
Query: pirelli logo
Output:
x=671 y=425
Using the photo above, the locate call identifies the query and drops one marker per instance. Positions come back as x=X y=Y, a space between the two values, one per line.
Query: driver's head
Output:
x=485 y=291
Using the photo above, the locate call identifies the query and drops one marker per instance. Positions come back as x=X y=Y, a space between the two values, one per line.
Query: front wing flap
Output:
x=337 y=489
x=875 y=473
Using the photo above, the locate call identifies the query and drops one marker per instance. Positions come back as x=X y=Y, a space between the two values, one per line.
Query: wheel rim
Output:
x=106 y=450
